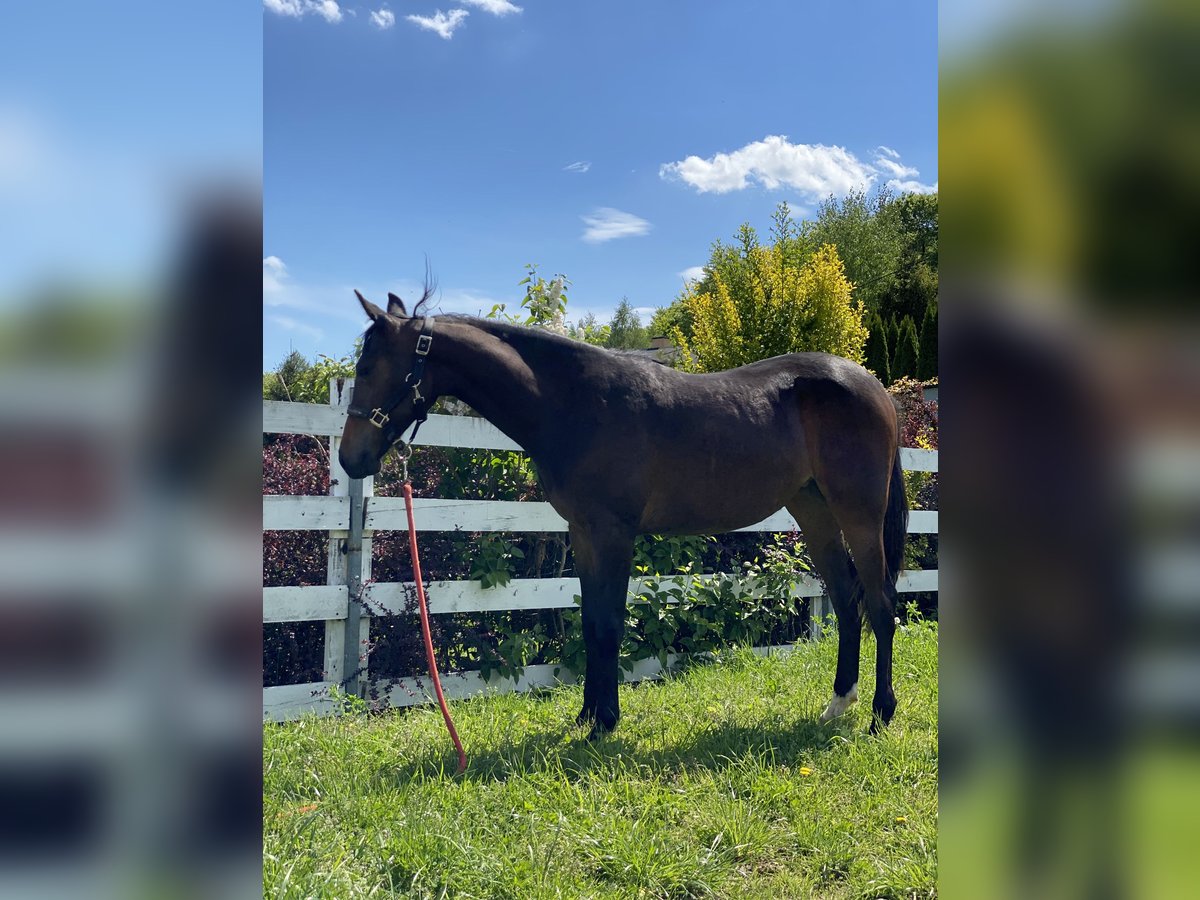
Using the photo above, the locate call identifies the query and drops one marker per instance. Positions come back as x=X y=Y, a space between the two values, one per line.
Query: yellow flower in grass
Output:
x=805 y=771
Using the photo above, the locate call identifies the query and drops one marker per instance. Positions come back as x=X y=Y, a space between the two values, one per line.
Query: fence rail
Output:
x=290 y=513
x=347 y=622
x=325 y=602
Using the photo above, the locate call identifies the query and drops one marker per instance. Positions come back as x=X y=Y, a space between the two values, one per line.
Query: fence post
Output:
x=355 y=656
x=346 y=639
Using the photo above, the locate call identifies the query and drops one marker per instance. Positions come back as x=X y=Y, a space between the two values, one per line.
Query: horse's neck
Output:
x=490 y=375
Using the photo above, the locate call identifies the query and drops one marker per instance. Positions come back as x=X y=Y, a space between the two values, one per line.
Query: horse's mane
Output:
x=428 y=288
x=524 y=335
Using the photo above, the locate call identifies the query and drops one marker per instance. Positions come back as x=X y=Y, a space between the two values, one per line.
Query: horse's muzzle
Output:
x=359 y=467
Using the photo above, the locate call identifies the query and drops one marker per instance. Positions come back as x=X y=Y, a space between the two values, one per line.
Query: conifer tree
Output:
x=927 y=366
x=904 y=360
x=877 y=351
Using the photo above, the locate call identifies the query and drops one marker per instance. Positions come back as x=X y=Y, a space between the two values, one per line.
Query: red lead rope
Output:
x=433 y=672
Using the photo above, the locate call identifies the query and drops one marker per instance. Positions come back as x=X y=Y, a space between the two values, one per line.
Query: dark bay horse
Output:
x=624 y=447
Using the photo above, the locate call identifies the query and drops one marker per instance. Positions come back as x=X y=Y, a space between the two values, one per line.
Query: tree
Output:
x=869 y=239
x=545 y=302
x=668 y=318
x=625 y=331
x=301 y=381
x=892 y=324
x=730 y=259
x=889 y=245
x=796 y=241
x=927 y=366
x=913 y=288
x=588 y=330
x=760 y=306
x=878 y=355
x=915 y=283
x=917 y=218
x=904 y=360
x=287 y=377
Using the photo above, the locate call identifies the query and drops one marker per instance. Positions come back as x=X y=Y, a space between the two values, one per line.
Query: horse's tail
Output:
x=895 y=522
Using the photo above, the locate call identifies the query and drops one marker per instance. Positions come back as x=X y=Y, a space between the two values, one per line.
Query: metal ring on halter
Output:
x=403 y=450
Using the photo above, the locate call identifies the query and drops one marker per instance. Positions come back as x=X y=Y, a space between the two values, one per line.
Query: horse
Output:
x=625 y=446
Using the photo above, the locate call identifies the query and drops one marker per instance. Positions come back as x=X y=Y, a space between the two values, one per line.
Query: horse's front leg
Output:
x=603 y=555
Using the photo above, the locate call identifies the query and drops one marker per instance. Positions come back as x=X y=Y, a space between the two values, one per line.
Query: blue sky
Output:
x=609 y=141
x=110 y=114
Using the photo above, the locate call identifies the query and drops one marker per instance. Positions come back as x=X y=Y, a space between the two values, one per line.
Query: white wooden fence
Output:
x=332 y=602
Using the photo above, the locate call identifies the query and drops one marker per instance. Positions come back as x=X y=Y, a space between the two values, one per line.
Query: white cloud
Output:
x=495 y=7
x=326 y=9
x=580 y=167
x=329 y=10
x=467 y=300
x=88 y=211
x=309 y=302
x=290 y=324
x=274 y=274
x=606 y=224
x=285 y=7
x=912 y=187
x=894 y=168
x=903 y=178
x=383 y=19
x=692 y=273
x=25 y=150
x=441 y=23
x=814 y=169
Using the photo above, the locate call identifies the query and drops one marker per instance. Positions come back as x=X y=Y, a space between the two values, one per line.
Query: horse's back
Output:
x=810 y=379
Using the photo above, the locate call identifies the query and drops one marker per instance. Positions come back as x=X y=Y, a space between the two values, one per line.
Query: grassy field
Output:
x=718 y=782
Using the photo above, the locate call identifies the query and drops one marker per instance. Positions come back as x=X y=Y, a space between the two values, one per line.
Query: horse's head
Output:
x=387 y=397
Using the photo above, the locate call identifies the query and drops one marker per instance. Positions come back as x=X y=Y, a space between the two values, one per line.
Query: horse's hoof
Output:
x=881 y=713
x=879 y=724
x=602 y=723
x=839 y=704
x=600 y=730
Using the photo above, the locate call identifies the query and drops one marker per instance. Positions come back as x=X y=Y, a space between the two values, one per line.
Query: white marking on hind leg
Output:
x=839 y=704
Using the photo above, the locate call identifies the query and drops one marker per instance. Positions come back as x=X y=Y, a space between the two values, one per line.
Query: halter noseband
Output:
x=377 y=416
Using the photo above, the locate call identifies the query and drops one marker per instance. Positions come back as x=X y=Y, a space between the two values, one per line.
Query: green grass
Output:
x=718 y=782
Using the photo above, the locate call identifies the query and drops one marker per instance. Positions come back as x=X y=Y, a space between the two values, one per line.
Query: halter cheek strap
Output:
x=381 y=419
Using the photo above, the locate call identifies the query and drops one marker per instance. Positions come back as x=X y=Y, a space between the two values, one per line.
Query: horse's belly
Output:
x=717 y=506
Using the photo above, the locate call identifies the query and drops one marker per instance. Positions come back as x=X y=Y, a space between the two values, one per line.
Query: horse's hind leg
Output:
x=858 y=499
x=879 y=595
x=824 y=540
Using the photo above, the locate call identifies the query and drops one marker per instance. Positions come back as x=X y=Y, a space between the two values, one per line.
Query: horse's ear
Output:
x=370 y=308
x=396 y=305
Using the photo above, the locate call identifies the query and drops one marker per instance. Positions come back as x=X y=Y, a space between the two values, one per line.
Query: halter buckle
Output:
x=378 y=417
x=424 y=342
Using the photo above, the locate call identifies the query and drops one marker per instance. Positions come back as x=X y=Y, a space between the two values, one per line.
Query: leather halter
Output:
x=381 y=419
